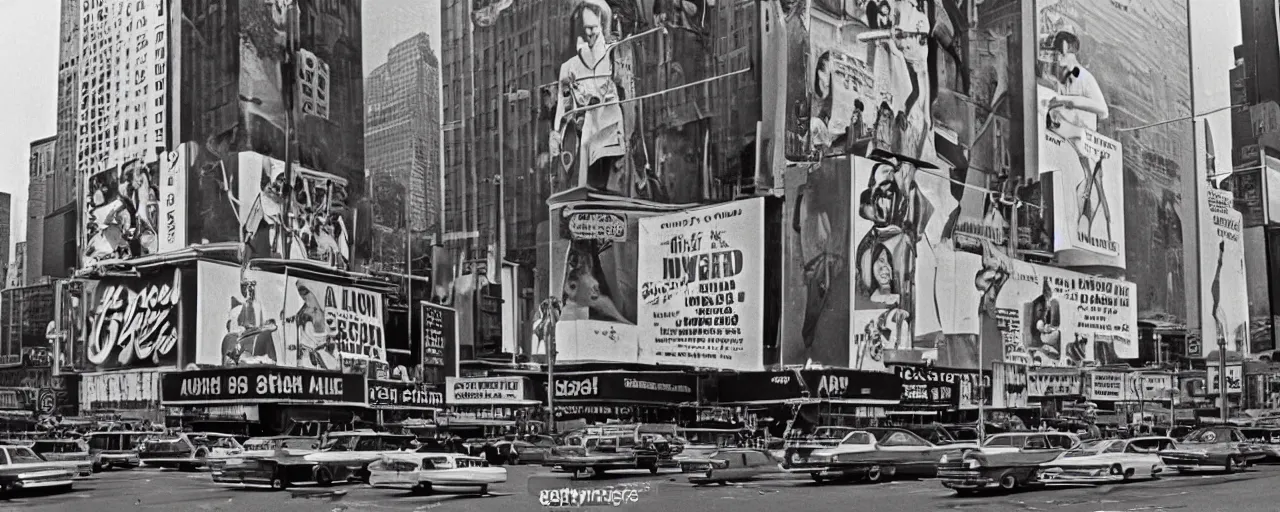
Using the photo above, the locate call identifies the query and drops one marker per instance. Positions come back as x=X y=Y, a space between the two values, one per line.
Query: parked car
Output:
x=1014 y=441
x=533 y=451
x=116 y=449
x=1110 y=460
x=279 y=471
x=421 y=472
x=66 y=450
x=591 y=456
x=699 y=443
x=1218 y=447
x=938 y=434
x=354 y=450
x=188 y=451
x=1007 y=471
x=730 y=465
x=878 y=454
x=268 y=446
x=798 y=450
x=21 y=469
x=1265 y=438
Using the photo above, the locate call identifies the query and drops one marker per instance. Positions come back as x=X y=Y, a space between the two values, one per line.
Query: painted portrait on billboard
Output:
x=817 y=266
x=241 y=318
x=332 y=327
x=1224 y=293
x=305 y=220
x=122 y=212
x=1109 y=184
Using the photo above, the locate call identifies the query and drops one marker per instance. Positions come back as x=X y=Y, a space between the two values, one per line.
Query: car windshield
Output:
x=831 y=432
x=1089 y=448
x=21 y=455
x=857 y=438
x=214 y=441
x=716 y=438
x=963 y=433
x=57 y=447
x=1209 y=435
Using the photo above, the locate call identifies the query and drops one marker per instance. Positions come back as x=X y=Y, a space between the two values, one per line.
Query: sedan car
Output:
x=267 y=447
x=72 y=451
x=354 y=450
x=1006 y=471
x=1014 y=441
x=188 y=451
x=421 y=472
x=1217 y=447
x=116 y=448
x=534 y=450
x=1111 y=460
x=1265 y=438
x=278 y=471
x=21 y=468
x=730 y=465
x=878 y=454
x=591 y=456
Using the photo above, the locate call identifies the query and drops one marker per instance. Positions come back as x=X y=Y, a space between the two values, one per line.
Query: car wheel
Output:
x=818 y=478
x=97 y=467
x=1233 y=464
x=484 y=489
x=964 y=493
x=583 y=473
x=875 y=475
x=1008 y=482
x=1128 y=474
x=422 y=489
x=653 y=470
x=279 y=484
x=324 y=477
x=186 y=467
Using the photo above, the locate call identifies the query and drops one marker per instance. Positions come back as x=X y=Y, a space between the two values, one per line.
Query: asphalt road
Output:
x=156 y=490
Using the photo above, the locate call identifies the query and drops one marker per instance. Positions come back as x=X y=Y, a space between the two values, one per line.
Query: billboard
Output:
x=308 y=219
x=121 y=212
x=119 y=390
x=593 y=268
x=439 y=338
x=1224 y=290
x=172 y=201
x=701 y=277
x=279 y=320
x=1086 y=84
x=817 y=300
x=133 y=322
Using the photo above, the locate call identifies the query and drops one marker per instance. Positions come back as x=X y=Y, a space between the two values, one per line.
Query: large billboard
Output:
x=1224 y=293
x=273 y=319
x=1092 y=56
x=702 y=287
x=122 y=212
x=132 y=322
x=308 y=219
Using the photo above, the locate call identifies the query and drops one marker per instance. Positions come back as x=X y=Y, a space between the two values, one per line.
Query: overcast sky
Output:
x=28 y=90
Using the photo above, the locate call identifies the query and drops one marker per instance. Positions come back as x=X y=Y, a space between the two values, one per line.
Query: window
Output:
x=1036 y=443
x=1116 y=447
x=23 y=455
x=857 y=438
x=999 y=441
x=1060 y=441
x=901 y=439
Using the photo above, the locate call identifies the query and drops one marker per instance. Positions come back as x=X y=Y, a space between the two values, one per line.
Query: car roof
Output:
x=124 y=432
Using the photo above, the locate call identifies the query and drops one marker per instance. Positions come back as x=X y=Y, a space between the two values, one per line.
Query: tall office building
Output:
x=56 y=252
x=402 y=148
x=6 y=203
x=41 y=170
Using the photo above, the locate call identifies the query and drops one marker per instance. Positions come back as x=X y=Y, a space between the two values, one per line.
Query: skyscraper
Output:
x=402 y=146
x=56 y=252
x=41 y=169
x=6 y=202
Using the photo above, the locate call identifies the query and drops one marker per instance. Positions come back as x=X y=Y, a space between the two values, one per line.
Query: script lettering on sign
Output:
x=141 y=324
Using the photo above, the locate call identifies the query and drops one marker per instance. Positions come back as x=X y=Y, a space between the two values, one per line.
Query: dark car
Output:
x=730 y=465
x=1265 y=438
x=591 y=456
x=798 y=449
x=280 y=471
x=939 y=435
x=1007 y=471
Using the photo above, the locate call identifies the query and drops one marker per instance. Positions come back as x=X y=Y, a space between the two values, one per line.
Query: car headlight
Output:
x=943 y=460
x=820 y=458
x=972 y=464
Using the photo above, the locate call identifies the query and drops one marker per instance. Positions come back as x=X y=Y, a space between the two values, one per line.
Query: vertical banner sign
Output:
x=701 y=276
x=440 y=337
x=816 y=300
x=1224 y=294
x=331 y=323
x=133 y=322
x=313 y=84
x=173 y=199
x=1235 y=380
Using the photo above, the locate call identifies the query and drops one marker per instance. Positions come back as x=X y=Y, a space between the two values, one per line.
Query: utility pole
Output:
x=550 y=311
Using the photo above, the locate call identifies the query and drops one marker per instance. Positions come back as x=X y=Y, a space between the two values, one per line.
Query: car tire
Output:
x=324 y=477
x=279 y=484
x=818 y=478
x=653 y=470
x=484 y=489
x=1008 y=482
x=1233 y=464
x=186 y=467
x=423 y=489
x=583 y=473
x=97 y=467
x=966 y=493
x=875 y=474
x=1128 y=474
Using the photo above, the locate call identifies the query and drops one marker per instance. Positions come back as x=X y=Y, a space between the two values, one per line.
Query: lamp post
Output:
x=548 y=316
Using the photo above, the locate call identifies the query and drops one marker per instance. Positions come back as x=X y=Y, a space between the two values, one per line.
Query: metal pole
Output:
x=552 y=312
x=502 y=169
x=1222 y=377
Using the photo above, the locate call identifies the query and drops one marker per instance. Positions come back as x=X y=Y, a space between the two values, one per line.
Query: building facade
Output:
x=402 y=148
x=42 y=169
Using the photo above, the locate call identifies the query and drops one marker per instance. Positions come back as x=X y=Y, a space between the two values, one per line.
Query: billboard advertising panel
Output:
x=172 y=201
x=1224 y=292
x=701 y=277
x=133 y=322
x=816 y=273
x=439 y=338
x=121 y=212
x=311 y=223
x=1087 y=51
x=332 y=323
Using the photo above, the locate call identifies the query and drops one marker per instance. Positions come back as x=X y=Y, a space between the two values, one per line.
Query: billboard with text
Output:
x=1224 y=291
x=133 y=322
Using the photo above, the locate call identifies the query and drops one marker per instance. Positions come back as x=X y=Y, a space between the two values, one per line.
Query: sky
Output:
x=28 y=92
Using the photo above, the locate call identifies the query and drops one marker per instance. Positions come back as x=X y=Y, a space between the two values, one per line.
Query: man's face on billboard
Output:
x=590 y=26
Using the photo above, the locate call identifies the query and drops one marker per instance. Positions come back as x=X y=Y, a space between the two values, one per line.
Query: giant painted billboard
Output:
x=132 y=322
x=1224 y=293
x=1102 y=66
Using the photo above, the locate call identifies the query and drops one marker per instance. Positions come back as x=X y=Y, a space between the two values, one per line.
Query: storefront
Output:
x=481 y=406
x=401 y=403
x=586 y=398
x=1051 y=388
x=131 y=396
x=924 y=399
x=813 y=397
x=283 y=398
x=971 y=389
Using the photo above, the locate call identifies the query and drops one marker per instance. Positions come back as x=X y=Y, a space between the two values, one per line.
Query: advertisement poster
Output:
x=312 y=223
x=241 y=319
x=1043 y=383
x=594 y=274
x=970 y=389
x=119 y=390
x=487 y=390
x=439 y=338
x=670 y=387
x=817 y=272
x=172 y=201
x=701 y=275
x=1011 y=386
x=331 y=327
x=133 y=322
x=403 y=395
x=1085 y=81
x=1224 y=292
x=1235 y=381
x=1106 y=386
x=122 y=213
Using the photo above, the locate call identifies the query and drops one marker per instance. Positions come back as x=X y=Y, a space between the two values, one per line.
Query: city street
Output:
x=169 y=490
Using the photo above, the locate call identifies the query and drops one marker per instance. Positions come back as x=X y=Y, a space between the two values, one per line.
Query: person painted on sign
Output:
x=315 y=347
x=1079 y=106
x=583 y=297
x=250 y=337
x=586 y=79
x=1046 y=313
x=898 y=211
x=820 y=105
x=1215 y=291
x=824 y=257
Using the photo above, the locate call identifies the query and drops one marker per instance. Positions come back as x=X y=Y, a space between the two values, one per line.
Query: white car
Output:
x=357 y=448
x=1010 y=442
x=422 y=471
x=1111 y=460
x=188 y=451
x=877 y=453
x=267 y=447
x=21 y=468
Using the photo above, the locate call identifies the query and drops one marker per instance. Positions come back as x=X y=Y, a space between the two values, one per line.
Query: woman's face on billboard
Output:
x=590 y=26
